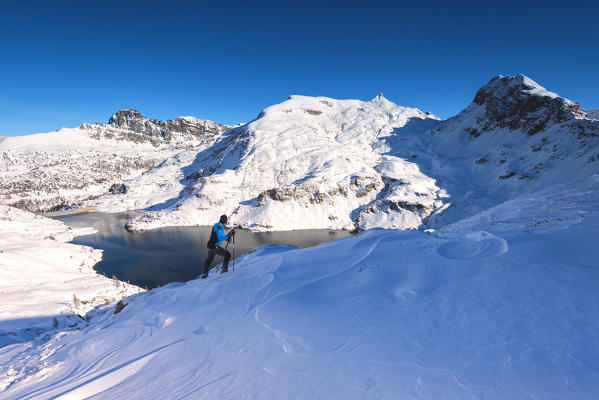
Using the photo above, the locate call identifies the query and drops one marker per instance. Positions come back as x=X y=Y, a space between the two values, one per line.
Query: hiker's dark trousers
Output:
x=218 y=251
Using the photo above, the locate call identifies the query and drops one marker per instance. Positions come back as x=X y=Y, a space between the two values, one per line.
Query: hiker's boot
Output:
x=205 y=272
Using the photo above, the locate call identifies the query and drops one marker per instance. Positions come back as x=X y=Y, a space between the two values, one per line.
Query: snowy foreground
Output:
x=45 y=282
x=499 y=306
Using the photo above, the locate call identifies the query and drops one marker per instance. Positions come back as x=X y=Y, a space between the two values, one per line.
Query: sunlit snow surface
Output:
x=44 y=281
x=475 y=312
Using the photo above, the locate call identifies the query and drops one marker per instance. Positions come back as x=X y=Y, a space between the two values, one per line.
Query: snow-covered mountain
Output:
x=514 y=138
x=312 y=162
x=315 y=162
x=309 y=162
x=48 y=171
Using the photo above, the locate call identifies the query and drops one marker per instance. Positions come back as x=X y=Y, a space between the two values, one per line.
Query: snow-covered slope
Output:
x=48 y=171
x=515 y=137
x=462 y=314
x=309 y=162
x=44 y=281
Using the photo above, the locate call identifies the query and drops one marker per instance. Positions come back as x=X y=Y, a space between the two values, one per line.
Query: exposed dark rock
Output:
x=120 y=306
x=162 y=131
x=399 y=205
x=507 y=175
x=511 y=102
x=117 y=188
x=277 y=194
x=194 y=176
x=313 y=112
x=473 y=132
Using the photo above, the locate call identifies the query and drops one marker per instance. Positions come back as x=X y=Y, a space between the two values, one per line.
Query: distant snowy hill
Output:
x=315 y=162
x=48 y=171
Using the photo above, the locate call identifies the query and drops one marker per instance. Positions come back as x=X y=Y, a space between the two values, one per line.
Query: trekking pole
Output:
x=233 y=264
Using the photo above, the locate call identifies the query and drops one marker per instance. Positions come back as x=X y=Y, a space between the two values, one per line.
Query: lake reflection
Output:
x=173 y=254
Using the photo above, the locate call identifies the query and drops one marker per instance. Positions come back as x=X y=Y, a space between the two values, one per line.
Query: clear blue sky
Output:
x=62 y=63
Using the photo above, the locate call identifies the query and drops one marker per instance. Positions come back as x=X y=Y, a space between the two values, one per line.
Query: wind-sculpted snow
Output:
x=309 y=162
x=59 y=170
x=385 y=315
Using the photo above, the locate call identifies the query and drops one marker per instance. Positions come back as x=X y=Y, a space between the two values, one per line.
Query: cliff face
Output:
x=164 y=131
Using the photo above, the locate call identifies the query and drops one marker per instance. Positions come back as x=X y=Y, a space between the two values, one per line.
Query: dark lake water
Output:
x=173 y=254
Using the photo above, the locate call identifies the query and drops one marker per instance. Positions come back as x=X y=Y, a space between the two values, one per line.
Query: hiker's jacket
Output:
x=219 y=230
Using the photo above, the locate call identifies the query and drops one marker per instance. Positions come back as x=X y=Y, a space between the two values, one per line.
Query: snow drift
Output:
x=464 y=313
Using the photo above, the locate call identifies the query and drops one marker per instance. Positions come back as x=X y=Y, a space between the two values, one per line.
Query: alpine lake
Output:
x=172 y=254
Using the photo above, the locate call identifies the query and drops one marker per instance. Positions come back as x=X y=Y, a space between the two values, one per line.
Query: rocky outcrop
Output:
x=133 y=120
x=131 y=125
x=519 y=103
x=117 y=188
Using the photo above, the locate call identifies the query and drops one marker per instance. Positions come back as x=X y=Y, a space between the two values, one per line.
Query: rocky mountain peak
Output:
x=124 y=118
x=156 y=131
x=519 y=103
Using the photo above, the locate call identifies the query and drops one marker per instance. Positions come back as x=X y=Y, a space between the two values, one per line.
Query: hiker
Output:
x=217 y=237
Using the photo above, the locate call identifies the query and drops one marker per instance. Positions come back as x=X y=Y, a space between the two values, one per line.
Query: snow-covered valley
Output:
x=482 y=285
